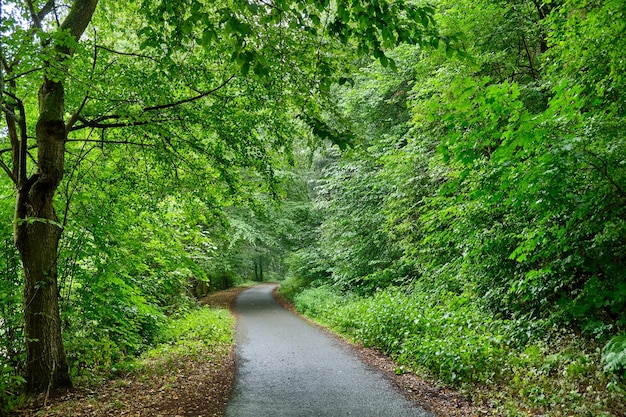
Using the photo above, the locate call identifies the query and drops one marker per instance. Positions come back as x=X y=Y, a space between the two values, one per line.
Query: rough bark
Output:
x=37 y=230
x=37 y=239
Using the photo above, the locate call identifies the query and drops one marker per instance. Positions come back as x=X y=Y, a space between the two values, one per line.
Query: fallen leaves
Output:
x=199 y=387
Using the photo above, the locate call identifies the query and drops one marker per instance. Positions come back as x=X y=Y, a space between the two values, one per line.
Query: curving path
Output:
x=287 y=367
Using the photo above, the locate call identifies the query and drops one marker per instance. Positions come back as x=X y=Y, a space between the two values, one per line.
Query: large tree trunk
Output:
x=37 y=230
x=37 y=237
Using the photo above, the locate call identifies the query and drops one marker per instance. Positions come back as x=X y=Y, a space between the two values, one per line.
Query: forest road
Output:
x=288 y=367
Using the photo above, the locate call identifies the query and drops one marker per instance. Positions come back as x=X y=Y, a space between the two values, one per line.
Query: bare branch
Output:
x=13 y=96
x=15 y=77
x=70 y=123
x=132 y=54
x=530 y=59
x=5 y=150
x=8 y=171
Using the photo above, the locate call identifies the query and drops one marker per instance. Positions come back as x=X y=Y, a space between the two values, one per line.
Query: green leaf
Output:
x=207 y=36
x=187 y=27
x=384 y=61
x=242 y=28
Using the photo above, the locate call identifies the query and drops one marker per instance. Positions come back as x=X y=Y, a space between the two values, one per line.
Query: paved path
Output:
x=287 y=367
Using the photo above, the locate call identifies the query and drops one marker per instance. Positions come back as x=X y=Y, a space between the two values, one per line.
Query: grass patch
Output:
x=202 y=332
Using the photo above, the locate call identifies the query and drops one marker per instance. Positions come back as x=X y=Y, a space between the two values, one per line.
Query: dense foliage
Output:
x=145 y=146
x=476 y=229
x=463 y=208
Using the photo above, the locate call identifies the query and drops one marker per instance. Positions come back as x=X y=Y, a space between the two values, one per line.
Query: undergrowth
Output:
x=200 y=334
x=203 y=331
x=449 y=337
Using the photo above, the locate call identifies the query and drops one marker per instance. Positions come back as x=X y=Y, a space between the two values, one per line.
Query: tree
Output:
x=500 y=177
x=277 y=51
x=37 y=227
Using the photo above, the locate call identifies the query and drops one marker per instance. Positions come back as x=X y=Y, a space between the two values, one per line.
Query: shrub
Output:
x=444 y=333
x=614 y=355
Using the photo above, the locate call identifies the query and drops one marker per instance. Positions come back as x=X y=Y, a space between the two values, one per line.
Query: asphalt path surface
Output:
x=288 y=367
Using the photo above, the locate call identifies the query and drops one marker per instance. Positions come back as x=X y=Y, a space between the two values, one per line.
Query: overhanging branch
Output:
x=131 y=54
x=98 y=122
x=190 y=99
x=15 y=77
x=114 y=142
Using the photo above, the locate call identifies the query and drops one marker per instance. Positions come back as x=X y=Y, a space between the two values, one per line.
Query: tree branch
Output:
x=9 y=113
x=79 y=17
x=33 y=14
x=97 y=122
x=530 y=59
x=6 y=169
x=74 y=116
x=18 y=142
x=70 y=123
x=5 y=150
x=113 y=142
x=604 y=170
x=190 y=99
x=126 y=53
x=23 y=147
x=47 y=8
x=15 y=77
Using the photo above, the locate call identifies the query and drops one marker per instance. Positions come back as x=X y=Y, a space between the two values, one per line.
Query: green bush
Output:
x=12 y=352
x=209 y=326
x=10 y=385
